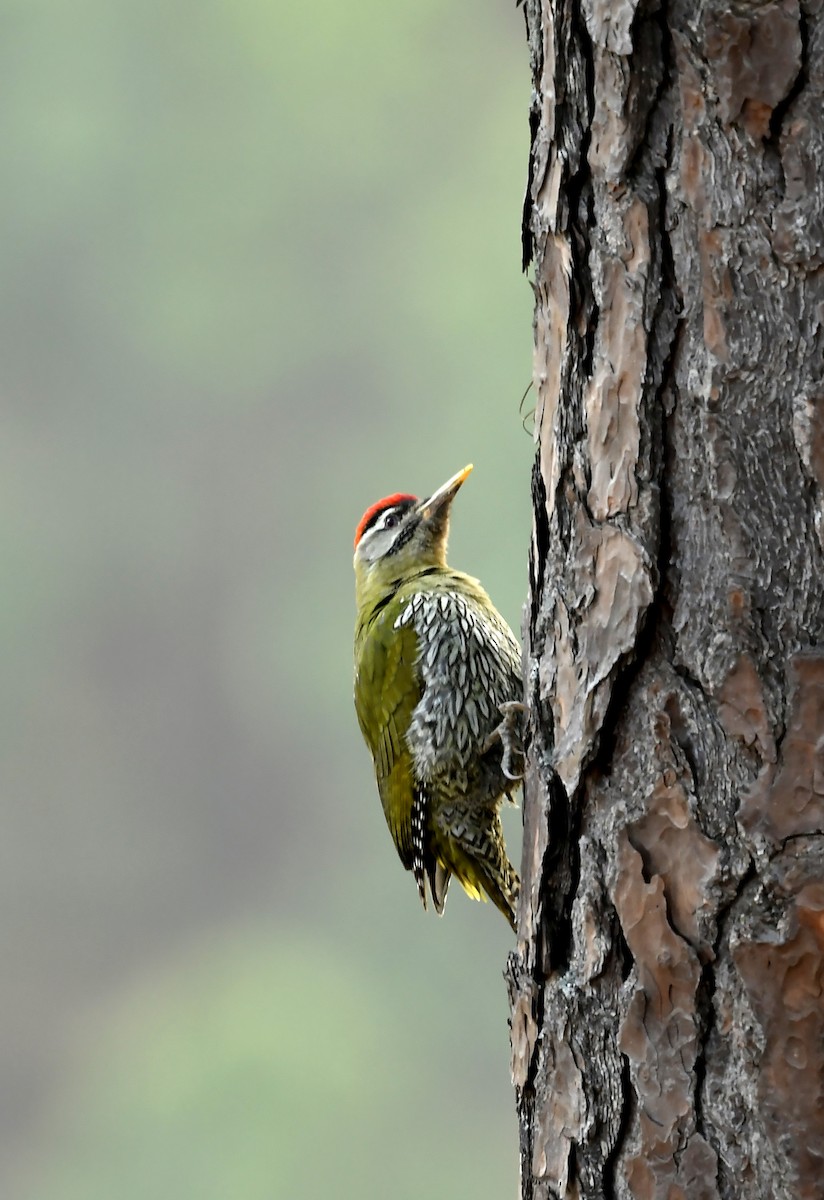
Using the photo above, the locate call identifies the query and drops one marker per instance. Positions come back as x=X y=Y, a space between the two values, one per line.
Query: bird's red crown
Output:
x=374 y=511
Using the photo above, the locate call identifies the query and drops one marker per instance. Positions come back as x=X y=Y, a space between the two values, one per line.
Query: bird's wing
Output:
x=469 y=666
x=387 y=689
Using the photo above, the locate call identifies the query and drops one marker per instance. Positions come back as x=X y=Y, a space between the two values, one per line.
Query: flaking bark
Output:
x=667 y=990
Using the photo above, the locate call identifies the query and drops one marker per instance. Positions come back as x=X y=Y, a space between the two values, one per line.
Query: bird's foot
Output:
x=510 y=734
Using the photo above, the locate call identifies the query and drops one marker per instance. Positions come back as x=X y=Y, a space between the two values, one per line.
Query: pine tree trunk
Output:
x=668 y=989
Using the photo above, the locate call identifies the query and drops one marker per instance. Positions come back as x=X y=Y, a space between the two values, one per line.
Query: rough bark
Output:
x=667 y=990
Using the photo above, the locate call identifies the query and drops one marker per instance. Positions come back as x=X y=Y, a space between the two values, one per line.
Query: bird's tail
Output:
x=439 y=877
x=503 y=890
x=475 y=853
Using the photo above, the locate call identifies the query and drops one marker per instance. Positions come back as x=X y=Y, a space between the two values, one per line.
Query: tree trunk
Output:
x=667 y=990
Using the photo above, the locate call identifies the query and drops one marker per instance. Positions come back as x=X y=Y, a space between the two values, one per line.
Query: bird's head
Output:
x=401 y=534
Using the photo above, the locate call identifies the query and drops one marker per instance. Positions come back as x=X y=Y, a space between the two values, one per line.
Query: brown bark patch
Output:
x=743 y=711
x=523 y=1035
x=559 y=1123
x=783 y=970
x=611 y=588
x=756 y=59
x=614 y=395
x=788 y=799
x=716 y=290
x=674 y=848
x=695 y=162
x=551 y=322
x=659 y=1037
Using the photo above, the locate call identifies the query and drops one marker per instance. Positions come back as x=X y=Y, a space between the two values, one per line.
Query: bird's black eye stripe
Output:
x=403 y=537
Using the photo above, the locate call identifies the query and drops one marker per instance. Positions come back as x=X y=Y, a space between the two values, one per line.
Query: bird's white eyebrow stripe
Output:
x=380 y=521
x=387 y=512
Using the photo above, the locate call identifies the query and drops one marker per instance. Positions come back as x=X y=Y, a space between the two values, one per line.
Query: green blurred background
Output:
x=260 y=266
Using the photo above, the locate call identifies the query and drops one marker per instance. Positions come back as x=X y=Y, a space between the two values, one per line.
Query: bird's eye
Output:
x=390 y=521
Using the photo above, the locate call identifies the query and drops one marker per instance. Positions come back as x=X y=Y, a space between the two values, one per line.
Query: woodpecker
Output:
x=437 y=694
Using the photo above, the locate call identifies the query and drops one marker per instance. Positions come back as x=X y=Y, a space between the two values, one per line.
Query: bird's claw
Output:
x=509 y=734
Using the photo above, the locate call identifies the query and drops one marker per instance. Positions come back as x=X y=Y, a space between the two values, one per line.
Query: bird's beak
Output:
x=440 y=501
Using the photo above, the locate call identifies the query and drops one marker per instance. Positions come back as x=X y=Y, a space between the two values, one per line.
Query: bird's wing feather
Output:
x=387 y=689
x=470 y=664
